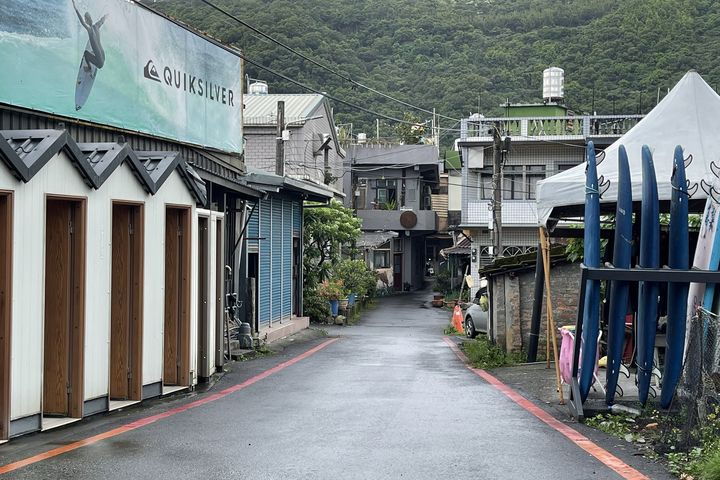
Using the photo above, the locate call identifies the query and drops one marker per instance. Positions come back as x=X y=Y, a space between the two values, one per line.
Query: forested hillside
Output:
x=468 y=56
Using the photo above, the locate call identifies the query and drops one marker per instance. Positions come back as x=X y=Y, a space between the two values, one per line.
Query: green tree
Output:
x=410 y=133
x=327 y=229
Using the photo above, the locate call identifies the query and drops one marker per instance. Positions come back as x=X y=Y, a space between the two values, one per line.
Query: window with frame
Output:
x=386 y=192
x=512 y=183
x=480 y=186
x=533 y=174
x=361 y=194
x=381 y=256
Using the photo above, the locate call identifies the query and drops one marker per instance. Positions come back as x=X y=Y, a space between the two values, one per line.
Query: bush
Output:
x=315 y=307
x=442 y=282
x=332 y=290
x=484 y=354
x=356 y=277
x=710 y=468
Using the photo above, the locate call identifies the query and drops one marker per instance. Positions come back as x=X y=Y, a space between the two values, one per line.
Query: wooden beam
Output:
x=545 y=245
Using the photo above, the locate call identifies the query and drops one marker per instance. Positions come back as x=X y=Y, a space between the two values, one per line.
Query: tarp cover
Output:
x=688 y=116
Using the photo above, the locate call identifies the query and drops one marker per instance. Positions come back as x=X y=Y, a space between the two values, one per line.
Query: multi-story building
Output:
x=307 y=142
x=543 y=139
x=391 y=190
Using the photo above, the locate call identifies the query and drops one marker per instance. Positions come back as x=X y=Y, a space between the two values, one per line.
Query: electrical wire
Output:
x=325 y=94
x=316 y=63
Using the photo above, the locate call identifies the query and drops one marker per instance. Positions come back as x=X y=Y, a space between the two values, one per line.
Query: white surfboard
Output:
x=701 y=261
x=85 y=80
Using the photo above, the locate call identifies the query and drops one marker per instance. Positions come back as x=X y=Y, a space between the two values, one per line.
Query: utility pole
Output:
x=497 y=192
x=377 y=130
x=280 y=148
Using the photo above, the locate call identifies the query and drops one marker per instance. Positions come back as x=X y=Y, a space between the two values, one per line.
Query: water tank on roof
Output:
x=553 y=84
x=258 y=88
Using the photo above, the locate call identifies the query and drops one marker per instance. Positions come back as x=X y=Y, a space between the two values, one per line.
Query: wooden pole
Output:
x=545 y=242
x=462 y=284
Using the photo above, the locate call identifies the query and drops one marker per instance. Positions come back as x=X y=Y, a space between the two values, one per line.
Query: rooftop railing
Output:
x=544 y=128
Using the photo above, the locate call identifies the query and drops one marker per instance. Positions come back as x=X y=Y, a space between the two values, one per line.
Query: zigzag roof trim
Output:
x=26 y=152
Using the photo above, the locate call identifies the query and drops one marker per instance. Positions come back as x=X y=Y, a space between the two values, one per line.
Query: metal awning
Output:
x=269 y=181
x=461 y=248
x=374 y=239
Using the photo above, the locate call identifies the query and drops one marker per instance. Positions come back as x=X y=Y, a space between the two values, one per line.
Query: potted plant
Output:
x=442 y=285
x=353 y=274
x=332 y=291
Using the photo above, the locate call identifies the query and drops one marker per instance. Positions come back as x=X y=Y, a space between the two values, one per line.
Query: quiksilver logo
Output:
x=151 y=72
x=192 y=84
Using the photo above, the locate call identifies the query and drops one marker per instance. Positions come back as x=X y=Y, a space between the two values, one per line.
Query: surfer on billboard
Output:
x=93 y=57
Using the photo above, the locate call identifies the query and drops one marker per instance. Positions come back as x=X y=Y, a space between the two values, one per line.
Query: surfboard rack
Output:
x=659 y=275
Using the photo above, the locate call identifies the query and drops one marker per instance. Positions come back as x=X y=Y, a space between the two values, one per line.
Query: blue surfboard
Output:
x=648 y=291
x=591 y=245
x=619 y=290
x=677 y=297
x=85 y=80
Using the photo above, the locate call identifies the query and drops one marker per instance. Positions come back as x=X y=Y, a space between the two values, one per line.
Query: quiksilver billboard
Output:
x=115 y=63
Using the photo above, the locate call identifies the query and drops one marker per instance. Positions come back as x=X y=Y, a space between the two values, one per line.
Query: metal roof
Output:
x=262 y=109
x=374 y=239
x=461 y=248
x=313 y=191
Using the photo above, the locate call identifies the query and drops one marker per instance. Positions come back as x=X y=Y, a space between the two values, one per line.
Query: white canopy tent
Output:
x=688 y=116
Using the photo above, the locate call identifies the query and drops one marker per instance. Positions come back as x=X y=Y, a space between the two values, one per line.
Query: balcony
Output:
x=515 y=213
x=414 y=220
x=569 y=128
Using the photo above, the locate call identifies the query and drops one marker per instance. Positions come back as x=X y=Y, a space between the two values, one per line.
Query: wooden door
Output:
x=203 y=291
x=127 y=303
x=5 y=310
x=397 y=271
x=176 y=355
x=64 y=308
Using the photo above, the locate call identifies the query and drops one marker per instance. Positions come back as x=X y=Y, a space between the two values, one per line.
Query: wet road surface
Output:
x=388 y=399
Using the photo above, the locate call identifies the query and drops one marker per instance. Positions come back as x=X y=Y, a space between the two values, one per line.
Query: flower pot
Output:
x=351 y=299
x=334 y=305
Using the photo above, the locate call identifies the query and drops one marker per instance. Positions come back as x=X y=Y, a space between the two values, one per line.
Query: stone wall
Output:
x=513 y=295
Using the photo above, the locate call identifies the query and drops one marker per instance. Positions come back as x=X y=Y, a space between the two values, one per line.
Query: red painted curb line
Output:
x=154 y=418
x=607 y=458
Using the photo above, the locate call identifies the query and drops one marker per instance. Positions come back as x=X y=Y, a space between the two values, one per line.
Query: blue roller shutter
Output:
x=297 y=218
x=265 y=260
x=277 y=258
x=287 y=258
x=253 y=228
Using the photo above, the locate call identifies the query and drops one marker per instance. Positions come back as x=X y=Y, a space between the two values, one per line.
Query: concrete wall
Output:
x=512 y=303
x=300 y=159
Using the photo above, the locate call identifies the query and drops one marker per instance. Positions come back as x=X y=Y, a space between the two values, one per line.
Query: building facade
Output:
x=305 y=147
x=548 y=142
x=391 y=191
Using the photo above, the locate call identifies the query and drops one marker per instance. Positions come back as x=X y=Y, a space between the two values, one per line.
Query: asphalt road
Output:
x=388 y=399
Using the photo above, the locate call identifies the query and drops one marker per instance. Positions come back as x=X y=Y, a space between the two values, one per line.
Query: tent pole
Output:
x=537 y=306
x=545 y=243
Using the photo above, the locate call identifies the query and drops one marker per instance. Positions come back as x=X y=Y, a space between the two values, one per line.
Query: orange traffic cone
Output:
x=457 y=319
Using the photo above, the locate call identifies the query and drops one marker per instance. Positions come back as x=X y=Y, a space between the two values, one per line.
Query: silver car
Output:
x=477 y=316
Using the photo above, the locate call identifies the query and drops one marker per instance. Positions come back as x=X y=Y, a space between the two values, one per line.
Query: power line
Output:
x=325 y=94
x=318 y=64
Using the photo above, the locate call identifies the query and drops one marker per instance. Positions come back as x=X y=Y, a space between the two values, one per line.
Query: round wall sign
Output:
x=408 y=219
